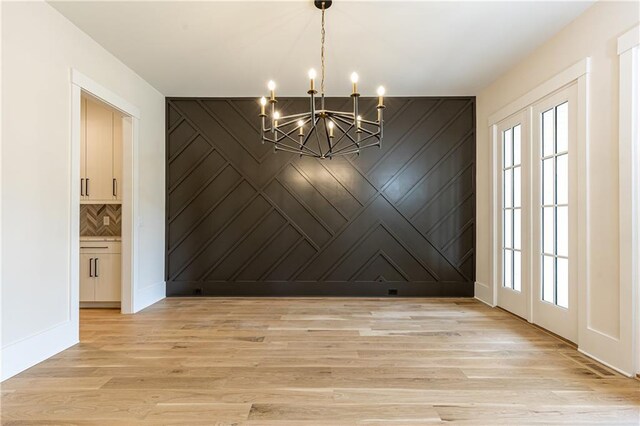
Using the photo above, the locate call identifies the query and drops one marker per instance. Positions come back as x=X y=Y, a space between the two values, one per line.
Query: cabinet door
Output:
x=99 y=152
x=108 y=278
x=83 y=146
x=87 y=282
x=117 y=157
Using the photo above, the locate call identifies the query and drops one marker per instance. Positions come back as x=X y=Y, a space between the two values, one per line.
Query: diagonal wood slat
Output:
x=400 y=217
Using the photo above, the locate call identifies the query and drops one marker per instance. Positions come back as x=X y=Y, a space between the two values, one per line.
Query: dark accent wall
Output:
x=242 y=220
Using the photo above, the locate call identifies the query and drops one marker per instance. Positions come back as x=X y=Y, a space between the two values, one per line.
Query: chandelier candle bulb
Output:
x=312 y=80
x=301 y=128
x=271 y=85
x=354 y=81
x=263 y=103
x=380 y=97
x=331 y=129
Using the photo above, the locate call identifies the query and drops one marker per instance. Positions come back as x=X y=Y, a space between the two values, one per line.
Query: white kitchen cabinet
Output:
x=100 y=271
x=87 y=283
x=117 y=157
x=100 y=153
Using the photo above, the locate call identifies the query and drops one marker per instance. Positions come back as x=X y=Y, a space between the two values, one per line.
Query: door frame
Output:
x=130 y=196
x=578 y=74
x=629 y=185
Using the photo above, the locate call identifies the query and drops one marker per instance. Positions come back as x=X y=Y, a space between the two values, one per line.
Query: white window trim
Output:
x=577 y=74
x=629 y=185
x=573 y=73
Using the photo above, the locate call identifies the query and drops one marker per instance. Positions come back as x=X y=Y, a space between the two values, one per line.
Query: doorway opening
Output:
x=100 y=204
x=104 y=129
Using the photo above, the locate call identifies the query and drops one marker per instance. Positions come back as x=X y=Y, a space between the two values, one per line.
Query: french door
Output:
x=537 y=217
x=554 y=213
x=514 y=288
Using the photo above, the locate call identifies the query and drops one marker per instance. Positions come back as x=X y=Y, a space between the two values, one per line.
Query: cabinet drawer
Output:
x=99 y=247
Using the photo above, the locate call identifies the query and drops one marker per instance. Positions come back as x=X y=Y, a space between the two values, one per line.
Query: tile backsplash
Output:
x=92 y=220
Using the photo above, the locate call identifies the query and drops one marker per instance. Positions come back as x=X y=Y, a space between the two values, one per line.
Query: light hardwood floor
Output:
x=317 y=361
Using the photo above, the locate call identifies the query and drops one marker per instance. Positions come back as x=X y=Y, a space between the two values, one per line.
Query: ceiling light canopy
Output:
x=320 y=132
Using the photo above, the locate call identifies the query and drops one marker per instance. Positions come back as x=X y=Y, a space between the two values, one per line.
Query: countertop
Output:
x=82 y=238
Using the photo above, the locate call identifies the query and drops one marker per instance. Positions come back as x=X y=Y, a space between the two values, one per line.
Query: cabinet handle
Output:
x=96 y=265
x=115 y=187
x=82 y=187
x=86 y=187
x=94 y=247
x=90 y=265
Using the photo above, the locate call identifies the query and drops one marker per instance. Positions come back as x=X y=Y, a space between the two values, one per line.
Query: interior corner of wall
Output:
x=149 y=295
x=484 y=293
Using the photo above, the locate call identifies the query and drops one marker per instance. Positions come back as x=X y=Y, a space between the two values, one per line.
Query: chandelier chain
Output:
x=322 y=52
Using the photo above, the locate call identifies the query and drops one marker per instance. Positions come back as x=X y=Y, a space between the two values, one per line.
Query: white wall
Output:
x=39 y=47
x=593 y=34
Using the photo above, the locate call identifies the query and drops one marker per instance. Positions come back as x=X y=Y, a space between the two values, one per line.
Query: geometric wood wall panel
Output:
x=242 y=220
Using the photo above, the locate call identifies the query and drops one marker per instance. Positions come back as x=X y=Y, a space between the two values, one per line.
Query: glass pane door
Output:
x=555 y=205
x=511 y=208
x=554 y=217
x=513 y=292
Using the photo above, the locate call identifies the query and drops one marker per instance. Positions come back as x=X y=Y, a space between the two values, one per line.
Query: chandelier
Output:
x=319 y=132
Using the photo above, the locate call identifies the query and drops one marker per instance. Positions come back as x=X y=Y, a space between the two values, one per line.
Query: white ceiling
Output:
x=232 y=48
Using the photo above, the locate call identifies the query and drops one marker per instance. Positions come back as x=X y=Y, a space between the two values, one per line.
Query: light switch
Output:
x=105 y=220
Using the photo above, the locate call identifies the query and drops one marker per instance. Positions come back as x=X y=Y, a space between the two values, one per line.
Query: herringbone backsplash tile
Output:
x=92 y=220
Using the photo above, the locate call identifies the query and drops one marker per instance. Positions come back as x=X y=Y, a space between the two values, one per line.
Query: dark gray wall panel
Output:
x=242 y=220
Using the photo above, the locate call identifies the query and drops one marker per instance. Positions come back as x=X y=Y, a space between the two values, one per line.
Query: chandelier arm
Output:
x=358 y=147
x=318 y=137
x=339 y=113
x=341 y=138
x=344 y=120
x=355 y=97
x=374 y=136
x=355 y=151
x=329 y=139
x=294 y=116
x=369 y=132
x=266 y=138
x=296 y=150
x=312 y=106
x=293 y=151
x=284 y=134
x=308 y=135
x=346 y=133
x=294 y=121
x=373 y=123
x=287 y=136
x=299 y=148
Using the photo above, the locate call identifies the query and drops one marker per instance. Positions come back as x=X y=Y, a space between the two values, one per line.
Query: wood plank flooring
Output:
x=316 y=362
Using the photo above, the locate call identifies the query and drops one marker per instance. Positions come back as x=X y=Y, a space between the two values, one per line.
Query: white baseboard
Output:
x=149 y=295
x=106 y=305
x=624 y=373
x=483 y=293
x=19 y=356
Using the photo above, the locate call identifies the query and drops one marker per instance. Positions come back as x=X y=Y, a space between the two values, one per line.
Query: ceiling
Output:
x=232 y=48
